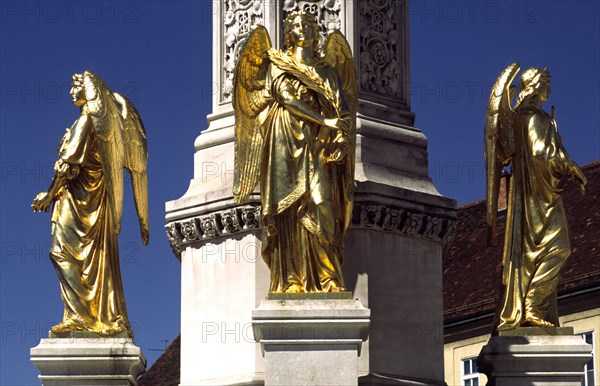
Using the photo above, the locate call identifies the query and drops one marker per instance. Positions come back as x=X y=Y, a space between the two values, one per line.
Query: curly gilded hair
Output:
x=530 y=82
x=289 y=22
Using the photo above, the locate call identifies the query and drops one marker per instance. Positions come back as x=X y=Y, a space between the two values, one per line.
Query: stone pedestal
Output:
x=88 y=361
x=311 y=341
x=540 y=360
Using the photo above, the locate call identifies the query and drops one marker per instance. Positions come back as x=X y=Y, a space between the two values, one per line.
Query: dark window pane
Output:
x=467 y=367
x=588 y=338
x=590 y=378
x=476 y=382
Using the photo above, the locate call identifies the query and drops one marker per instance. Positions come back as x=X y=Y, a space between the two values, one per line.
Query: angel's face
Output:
x=302 y=32
x=78 y=95
x=544 y=90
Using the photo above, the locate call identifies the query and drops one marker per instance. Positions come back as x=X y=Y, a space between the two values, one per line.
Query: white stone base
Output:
x=540 y=360
x=312 y=341
x=88 y=361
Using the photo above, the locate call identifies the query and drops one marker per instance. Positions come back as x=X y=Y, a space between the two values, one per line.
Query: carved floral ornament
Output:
x=380 y=69
x=239 y=17
x=209 y=226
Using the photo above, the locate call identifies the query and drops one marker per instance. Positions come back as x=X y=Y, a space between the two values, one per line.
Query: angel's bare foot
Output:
x=534 y=321
x=67 y=326
x=294 y=288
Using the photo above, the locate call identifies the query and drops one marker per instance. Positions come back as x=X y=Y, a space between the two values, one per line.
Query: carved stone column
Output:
x=393 y=250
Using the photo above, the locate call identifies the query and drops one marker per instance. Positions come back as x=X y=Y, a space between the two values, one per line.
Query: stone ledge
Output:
x=543 y=360
x=198 y=230
x=531 y=331
x=85 y=361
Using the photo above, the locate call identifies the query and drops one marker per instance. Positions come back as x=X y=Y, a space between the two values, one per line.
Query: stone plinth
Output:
x=311 y=341
x=540 y=360
x=88 y=361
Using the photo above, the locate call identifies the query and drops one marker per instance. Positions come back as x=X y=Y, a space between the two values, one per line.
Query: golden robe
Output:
x=306 y=201
x=84 y=247
x=537 y=239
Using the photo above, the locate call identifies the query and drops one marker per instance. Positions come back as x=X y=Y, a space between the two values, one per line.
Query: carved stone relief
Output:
x=239 y=18
x=247 y=218
x=379 y=48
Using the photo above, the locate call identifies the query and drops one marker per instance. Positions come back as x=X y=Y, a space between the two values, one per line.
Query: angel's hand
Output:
x=582 y=181
x=338 y=155
x=41 y=202
x=331 y=123
x=577 y=175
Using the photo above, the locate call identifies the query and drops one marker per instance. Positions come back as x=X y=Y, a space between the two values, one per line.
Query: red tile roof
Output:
x=472 y=269
x=165 y=371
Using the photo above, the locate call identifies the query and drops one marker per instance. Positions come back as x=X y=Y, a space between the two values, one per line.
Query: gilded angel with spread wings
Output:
x=295 y=132
x=87 y=192
x=536 y=244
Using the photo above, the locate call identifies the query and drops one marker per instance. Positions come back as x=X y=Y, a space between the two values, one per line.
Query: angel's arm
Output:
x=551 y=151
x=285 y=95
x=72 y=153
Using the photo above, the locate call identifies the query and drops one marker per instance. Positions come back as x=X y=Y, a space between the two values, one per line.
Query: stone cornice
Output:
x=403 y=221
x=200 y=229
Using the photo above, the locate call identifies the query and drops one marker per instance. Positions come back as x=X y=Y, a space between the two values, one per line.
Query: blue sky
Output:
x=158 y=53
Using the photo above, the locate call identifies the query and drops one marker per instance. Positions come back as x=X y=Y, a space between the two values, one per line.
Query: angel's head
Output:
x=89 y=89
x=534 y=82
x=301 y=29
x=78 y=90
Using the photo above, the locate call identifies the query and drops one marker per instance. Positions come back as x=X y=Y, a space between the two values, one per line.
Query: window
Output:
x=470 y=376
x=588 y=377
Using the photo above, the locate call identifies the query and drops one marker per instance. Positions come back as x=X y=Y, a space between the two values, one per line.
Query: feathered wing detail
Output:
x=106 y=117
x=136 y=160
x=499 y=140
x=337 y=54
x=249 y=103
x=121 y=141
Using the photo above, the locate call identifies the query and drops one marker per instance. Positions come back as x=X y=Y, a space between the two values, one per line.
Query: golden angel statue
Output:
x=87 y=192
x=536 y=244
x=295 y=131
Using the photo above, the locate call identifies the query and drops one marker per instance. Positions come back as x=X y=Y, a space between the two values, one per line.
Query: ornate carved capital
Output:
x=402 y=221
x=203 y=228
x=206 y=227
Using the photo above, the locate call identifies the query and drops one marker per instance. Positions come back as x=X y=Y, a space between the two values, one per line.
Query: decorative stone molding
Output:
x=371 y=216
x=211 y=225
x=381 y=50
x=381 y=217
x=239 y=18
x=380 y=70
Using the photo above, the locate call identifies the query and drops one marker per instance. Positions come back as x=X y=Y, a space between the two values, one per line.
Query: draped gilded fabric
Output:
x=537 y=239
x=84 y=248
x=306 y=200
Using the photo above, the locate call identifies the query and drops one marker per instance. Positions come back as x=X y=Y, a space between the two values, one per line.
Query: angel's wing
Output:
x=107 y=120
x=249 y=102
x=499 y=140
x=136 y=159
x=337 y=54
